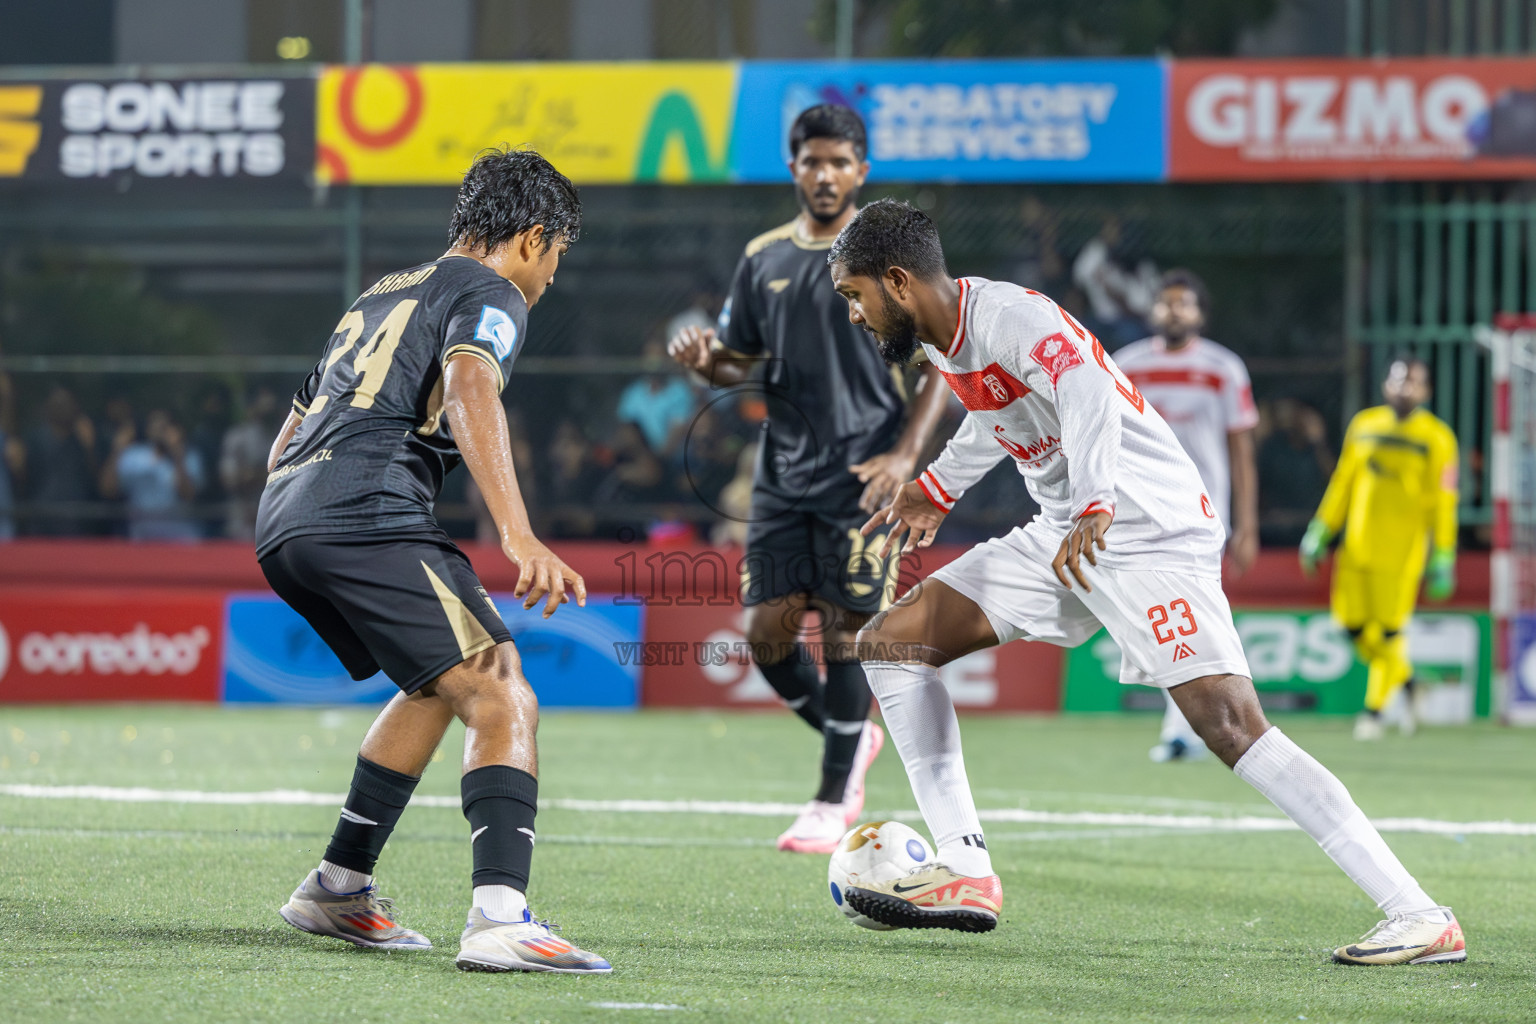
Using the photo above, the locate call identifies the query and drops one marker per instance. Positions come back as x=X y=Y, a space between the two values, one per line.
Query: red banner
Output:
x=698 y=657
x=71 y=644
x=1353 y=119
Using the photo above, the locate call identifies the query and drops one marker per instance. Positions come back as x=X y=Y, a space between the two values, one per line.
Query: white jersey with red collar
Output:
x=1039 y=388
x=1202 y=391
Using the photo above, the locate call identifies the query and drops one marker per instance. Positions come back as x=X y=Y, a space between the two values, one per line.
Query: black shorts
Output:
x=822 y=554
x=409 y=604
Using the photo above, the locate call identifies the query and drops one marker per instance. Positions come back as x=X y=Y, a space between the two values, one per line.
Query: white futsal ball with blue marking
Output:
x=880 y=851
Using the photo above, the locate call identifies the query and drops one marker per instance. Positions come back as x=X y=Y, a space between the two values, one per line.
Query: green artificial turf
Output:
x=167 y=912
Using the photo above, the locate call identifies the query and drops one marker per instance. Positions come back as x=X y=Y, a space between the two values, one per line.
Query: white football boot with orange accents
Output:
x=870 y=744
x=818 y=829
x=526 y=945
x=931 y=896
x=362 y=918
x=1428 y=938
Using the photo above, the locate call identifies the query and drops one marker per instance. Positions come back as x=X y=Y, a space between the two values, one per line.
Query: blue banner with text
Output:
x=968 y=121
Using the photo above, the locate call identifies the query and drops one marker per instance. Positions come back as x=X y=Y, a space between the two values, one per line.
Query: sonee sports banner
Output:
x=186 y=129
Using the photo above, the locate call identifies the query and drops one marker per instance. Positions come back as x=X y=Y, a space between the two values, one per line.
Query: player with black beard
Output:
x=834 y=449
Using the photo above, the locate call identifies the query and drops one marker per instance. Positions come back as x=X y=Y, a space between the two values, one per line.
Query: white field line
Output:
x=1109 y=819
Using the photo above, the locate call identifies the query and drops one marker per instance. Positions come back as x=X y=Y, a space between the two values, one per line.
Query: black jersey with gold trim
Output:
x=373 y=446
x=831 y=399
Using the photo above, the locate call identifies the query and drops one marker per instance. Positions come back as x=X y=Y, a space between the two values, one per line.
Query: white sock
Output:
x=1176 y=726
x=500 y=902
x=1315 y=799
x=921 y=721
x=342 y=880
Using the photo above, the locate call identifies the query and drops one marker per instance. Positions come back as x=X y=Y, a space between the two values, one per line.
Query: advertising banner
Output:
x=1520 y=700
x=697 y=656
x=61 y=644
x=966 y=120
x=1302 y=661
x=184 y=128
x=598 y=123
x=1422 y=119
x=571 y=660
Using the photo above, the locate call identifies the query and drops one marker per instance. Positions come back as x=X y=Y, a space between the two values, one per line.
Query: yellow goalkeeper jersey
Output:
x=1395 y=484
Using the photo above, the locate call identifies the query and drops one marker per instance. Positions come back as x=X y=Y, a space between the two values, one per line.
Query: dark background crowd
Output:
x=649 y=454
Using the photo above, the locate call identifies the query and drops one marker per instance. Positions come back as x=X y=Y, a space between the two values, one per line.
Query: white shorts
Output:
x=1171 y=626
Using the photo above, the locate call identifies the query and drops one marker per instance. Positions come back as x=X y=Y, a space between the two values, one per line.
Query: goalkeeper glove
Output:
x=1442 y=574
x=1314 y=545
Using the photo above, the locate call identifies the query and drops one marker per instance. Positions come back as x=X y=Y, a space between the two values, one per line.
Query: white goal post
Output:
x=1511 y=342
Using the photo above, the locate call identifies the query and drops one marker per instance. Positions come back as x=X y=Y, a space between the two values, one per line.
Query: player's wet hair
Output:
x=829 y=121
x=507 y=191
x=889 y=233
x=1181 y=278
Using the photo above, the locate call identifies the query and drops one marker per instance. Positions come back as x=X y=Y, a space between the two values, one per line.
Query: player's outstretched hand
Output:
x=541 y=575
x=910 y=514
x=1086 y=534
x=881 y=476
x=691 y=348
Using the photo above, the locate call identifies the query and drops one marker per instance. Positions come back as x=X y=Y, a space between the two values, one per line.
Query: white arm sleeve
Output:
x=968 y=457
x=1090 y=407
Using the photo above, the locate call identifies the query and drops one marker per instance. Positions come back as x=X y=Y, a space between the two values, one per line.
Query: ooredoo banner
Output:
x=61 y=644
x=1352 y=119
x=970 y=120
x=190 y=129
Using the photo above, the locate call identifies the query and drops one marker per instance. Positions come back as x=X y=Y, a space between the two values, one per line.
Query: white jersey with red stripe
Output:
x=1203 y=393
x=1039 y=388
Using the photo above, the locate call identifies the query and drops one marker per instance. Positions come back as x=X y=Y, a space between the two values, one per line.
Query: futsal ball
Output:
x=881 y=851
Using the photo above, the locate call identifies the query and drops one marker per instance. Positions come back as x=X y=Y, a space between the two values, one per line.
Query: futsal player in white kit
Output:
x=1126 y=538
x=1202 y=391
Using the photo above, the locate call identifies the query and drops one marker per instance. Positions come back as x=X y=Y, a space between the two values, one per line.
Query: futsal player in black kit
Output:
x=833 y=450
x=409 y=385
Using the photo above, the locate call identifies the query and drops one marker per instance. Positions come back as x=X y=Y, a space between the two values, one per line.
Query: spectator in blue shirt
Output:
x=660 y=404
x=158 y=475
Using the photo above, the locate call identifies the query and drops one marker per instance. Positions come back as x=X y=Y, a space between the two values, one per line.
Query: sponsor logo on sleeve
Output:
x=497 y=329
x=1056 y=355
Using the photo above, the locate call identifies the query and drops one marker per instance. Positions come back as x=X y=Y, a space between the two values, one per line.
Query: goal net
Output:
x=1512 y=345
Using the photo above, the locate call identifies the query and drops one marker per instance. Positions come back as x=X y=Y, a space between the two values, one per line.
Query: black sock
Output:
x=847 y=707
x=373 y=806
x=500 y=802
x=795 y=679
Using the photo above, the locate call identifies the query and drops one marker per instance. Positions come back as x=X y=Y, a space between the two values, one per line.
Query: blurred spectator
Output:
x=1119 y=296
x=735 y=501
x=117 y=420
x=713 y=443
x=637 y=478
x=159 y=476
x=660 y=404
x=571 y=477
x=702 y=312
x=242 y=461
x=1294 y=465
x=207 y=439
x=1037 y=261
x=60 y=467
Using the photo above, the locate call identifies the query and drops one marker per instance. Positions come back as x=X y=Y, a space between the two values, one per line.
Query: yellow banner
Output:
x=598 y=123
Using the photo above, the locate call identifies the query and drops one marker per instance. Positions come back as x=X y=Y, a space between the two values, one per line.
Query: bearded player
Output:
x=833 y=450
x=409 y=386
x=1126 y=539
x=1202 y=392
x=1394 y=496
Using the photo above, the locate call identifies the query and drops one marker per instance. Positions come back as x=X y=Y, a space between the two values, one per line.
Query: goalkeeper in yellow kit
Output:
x=1394 y=489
